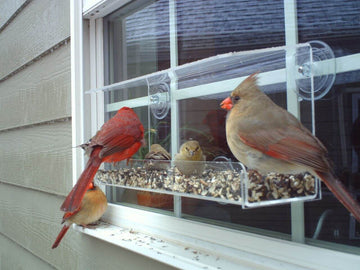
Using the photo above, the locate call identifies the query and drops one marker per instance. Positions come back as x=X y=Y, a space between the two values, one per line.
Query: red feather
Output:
x=60 y=236
x=118 y=139
x=73 y=200
x=341 y=193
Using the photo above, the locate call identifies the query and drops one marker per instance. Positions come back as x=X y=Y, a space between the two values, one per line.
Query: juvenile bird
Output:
x=189 y=152
x=92 y=207
x=265 y=137
x=157 y=158
x=118 y=139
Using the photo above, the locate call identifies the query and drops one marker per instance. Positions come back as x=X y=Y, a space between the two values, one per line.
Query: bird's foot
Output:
x=91 y=225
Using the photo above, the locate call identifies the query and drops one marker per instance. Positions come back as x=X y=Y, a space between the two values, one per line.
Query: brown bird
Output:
x=267 y=138
x=92 y=207
x=190 y=151
x=157 y=158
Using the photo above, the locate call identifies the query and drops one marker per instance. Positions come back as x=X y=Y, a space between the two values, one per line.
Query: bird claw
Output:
x=129 y=161
x=91 y=225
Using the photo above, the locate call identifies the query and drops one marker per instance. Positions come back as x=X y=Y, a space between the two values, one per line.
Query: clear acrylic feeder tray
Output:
x=225 y=182
x=275 y=188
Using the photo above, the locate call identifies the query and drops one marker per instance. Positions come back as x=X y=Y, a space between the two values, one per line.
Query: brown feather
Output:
x=267 y=138
x=288 y=144
x=265 y=126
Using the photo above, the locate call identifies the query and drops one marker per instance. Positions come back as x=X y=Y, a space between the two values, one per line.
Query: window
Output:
x=144 y=37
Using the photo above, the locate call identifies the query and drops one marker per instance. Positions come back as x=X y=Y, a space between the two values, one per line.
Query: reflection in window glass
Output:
x=337 y=126
x=138 y=40
x=335 y=22
x=208 y=28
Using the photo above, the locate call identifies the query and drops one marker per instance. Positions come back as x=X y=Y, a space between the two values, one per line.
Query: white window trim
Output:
x=230 y=247
x=181 y=240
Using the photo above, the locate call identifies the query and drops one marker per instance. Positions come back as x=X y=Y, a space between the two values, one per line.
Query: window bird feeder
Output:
x=311 y=65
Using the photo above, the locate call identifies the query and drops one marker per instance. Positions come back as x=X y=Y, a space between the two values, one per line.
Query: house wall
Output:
x=35 y=144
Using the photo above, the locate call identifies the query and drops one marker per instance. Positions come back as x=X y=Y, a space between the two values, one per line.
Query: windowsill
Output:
x=174 y=254
x=191 y=245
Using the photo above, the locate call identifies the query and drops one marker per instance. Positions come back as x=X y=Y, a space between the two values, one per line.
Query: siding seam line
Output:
x=12 y=17
x=31 y=188
x=27 y=250
x=37 y=58
x=48 y=122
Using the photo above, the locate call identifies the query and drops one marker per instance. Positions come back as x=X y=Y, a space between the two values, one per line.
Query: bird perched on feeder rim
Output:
x=92 y=207
x=267 y=138
x=190 y=159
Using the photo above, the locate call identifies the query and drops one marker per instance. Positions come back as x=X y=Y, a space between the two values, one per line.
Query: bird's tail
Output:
x=60 y=236
x=341 y=193
x=73 y=200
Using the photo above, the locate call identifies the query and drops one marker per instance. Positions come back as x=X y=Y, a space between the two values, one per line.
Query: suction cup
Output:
x=318 y=63
x=159 y=92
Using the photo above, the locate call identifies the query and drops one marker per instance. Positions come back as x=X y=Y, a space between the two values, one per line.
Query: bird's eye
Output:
x=187 y=148
x=236 y=98
x=197 y=148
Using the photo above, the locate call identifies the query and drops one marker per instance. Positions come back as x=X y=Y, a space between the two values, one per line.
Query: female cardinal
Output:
x=118 y=139
x=92 y=207
x=265 y=137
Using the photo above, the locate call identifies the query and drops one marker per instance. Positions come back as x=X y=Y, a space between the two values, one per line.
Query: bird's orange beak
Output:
x=91 y=185
x=226 y=104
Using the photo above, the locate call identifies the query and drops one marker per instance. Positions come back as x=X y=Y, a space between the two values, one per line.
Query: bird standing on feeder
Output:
x=190 y=151
x=157 y=158
x=267 y=138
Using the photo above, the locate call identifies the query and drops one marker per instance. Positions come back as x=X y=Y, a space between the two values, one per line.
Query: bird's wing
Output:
x=116 y=143
x=119 y=133
x=291 y=144
x=158 y=155
x=67 y=215
x=116 y=136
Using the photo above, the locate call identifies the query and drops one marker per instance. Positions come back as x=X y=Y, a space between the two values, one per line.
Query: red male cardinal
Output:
x=265 y=137
x=118 y=139
x=92 y=207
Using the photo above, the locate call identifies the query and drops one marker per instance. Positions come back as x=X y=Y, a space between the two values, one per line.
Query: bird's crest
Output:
x=247 y=86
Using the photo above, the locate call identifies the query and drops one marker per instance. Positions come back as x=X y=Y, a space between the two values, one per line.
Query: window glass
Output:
x=208 y=28
x=338 y=24
x=138 y=43
x=202 y=119
x=335 y=22
x=337 y=126
x=138 y=40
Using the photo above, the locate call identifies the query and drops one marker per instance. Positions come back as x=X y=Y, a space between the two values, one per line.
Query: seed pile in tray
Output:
x=220 y=184
x=213 y=183
x=276 y=186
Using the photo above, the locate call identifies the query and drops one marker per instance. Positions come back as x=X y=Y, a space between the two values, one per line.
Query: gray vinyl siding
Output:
x=35 y=144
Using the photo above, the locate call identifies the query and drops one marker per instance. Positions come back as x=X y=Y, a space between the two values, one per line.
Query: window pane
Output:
x=138 y=43
x=335 y=22
x=203 y=120
x=337 y=126
x=138 y=40
x=208 y=28
x=158 y=133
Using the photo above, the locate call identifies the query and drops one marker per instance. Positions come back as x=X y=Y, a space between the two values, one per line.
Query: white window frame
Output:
x=185 y=240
